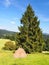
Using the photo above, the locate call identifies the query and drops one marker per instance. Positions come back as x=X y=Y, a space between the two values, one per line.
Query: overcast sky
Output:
x=11 y=12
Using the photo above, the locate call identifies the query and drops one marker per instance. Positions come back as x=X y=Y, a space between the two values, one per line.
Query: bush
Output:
x=9 y=45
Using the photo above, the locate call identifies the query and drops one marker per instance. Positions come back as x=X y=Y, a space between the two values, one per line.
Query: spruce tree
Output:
x=30 y=36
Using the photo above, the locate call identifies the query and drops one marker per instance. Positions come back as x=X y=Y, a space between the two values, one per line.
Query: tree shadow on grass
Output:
x=14 y=64
x=46 y=53
x=17 y=64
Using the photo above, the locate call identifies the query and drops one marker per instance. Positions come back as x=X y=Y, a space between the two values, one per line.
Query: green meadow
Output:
x=6 y=57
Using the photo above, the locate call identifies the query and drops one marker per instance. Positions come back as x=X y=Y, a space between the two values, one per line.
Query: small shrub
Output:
x=9 y=45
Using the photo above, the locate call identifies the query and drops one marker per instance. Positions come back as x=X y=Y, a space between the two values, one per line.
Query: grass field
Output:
x=6 y=58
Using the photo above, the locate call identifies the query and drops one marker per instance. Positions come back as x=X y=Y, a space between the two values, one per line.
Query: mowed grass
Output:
x=7 y=58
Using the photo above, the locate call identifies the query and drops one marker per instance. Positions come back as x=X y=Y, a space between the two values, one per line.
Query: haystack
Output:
x=20 y=53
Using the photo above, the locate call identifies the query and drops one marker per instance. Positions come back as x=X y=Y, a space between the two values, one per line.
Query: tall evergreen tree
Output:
x=30 y=36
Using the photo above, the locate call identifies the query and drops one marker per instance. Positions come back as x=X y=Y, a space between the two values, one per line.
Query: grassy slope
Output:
x=6 y=58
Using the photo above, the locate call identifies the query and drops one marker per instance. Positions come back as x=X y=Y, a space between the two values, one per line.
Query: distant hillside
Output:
x=6 y=32
x=46 y=36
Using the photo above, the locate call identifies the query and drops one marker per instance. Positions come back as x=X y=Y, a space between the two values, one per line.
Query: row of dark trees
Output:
x=46 y=46
x=8 y=36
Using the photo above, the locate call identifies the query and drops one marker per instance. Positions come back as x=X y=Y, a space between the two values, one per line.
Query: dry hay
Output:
x=20 y=53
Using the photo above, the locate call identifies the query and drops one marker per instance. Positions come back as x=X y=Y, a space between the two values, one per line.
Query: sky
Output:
x=11 y=12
